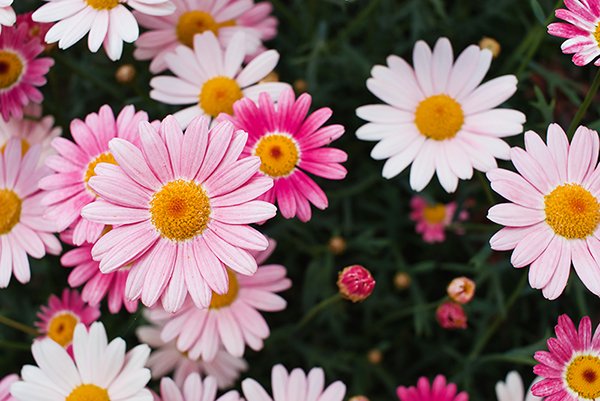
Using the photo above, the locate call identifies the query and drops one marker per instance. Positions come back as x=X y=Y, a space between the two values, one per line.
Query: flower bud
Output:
x=125 y=74
x=355 y=283
x=461 y=290
x=300 y=86
x=337 y=245
x=491 y=44
x=451 y=315
x=402 y=280
x=374 y=356
x=358 y=398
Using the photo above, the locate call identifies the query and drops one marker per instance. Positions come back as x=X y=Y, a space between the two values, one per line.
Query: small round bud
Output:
x=125 y=74
x=491 y=44
x=273 y=76
x=402 y=280
x=461 y=290
x=337 y=245
x=375 y=356
x=451 y=315
x=358 y=398
x=300 y=86
x=355 y=283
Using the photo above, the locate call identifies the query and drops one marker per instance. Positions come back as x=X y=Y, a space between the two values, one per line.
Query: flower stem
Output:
x=318 y=308
x=18 y=326
x=486 y=188
x=584 y=105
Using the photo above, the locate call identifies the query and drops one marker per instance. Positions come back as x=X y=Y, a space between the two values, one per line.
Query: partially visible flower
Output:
x=451 y=315
x=58 y=319
x=7 y=14
x=194 y=389
x=513 y=390
x=34 y=29
x=355 y=283
x=461 y=290
x=22 y=70
x=125 y=74
x=337 y=245
x=433 y=219
x=295 y=385
x=375 y=356
x=439 y=390
x=358 y=398
x=5 y=384
x=491 y=44
x=99 y=370
x=108 y=22
x=402 y=280
x=212 y=79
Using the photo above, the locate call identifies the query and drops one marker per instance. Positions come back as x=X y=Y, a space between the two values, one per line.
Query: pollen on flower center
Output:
x=11 y=69
x=194 y=22
x=439 y=117
x=572 y=211
x=61 y=328
x=103 y=4
x=278 y=155
x=597 y=34
x=435 y=214
x=222 y=300
x=105 y=157
x=88 y=392
x=10 y=212
x=218 y=95
x=180 y=210
x=583 y=376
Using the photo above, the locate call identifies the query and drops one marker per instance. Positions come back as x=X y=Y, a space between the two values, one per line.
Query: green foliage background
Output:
x=332 y=44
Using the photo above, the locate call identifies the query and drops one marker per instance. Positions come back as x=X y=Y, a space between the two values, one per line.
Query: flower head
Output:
x=461 y=290
x=194 y=389
x=5 y=384
x=513 y=390
x=433 y=219
x=34 y=29
x=7 y=14
x=439 y=390
x=438 y=116
x=553 y=217
x=355 y=283
x=451 y=315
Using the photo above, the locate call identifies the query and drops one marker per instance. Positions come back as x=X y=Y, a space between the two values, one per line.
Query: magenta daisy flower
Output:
x=194 y=389
x=570 y=369
x=5 y=384
x=58 y=319
x=67 y=190
x=22 y=71
x=289 y=142
x=433 y=219
x=23 y=230
x=7 y=16
x=581 y=29
x=439 y=390
x=553 y=217
x=185 y=200
x=232 y=320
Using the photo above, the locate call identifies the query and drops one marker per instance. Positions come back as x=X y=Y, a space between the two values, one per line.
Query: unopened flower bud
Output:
x=358 y=398
x=337 y=245
x=451 y=315
x=300 y=86
x=461 y=290
x=355 y=283
x=125 y=74
x=491 y=44
x=375 y=356
x=402 y=280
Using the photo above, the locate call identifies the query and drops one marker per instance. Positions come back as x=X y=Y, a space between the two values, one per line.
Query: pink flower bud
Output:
x=451 y=315
x=355 y=283
x=461 y=290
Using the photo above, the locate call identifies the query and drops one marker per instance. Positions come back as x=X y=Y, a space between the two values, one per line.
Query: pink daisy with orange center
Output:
x=439 y=390
x=184 y=200
x=67 y=190
x=290 y=141
x=433 y=218
x=553 y=217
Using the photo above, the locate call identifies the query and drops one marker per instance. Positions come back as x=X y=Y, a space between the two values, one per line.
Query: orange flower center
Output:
x=278 y=155
x=88 y=392
x=218 y=95
x=439 y=117
x=10 y=210
x=572 y=211
x=434 y=214
x=194 y=22
x=24 y=147
x=103 y=4
x=223 y=300
x=11 y=69
x=62 y=327
x=105 y=157
x=583 y=376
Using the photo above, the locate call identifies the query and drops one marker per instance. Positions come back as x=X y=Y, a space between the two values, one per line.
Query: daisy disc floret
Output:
x=7 y=14
x=186 y=200
x=438 y=116
x=439 y=390
x=553 y=217
x=194 y=389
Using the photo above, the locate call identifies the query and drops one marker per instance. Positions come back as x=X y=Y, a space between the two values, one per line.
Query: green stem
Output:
x=486 y=188
x=318 y=308
x=18 y=326
x=584 y=105
x=14 y=345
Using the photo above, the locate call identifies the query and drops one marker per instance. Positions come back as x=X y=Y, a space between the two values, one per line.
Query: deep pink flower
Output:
x=355 y=283
x=451 y=315
x=439 y=390
x=34 y=29
x=433 y=219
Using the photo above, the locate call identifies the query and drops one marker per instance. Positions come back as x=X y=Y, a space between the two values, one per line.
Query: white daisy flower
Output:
x=513 y=389
x=7 y=14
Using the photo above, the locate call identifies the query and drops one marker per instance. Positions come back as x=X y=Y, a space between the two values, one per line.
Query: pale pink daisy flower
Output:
x=553 y=217
x=581 y=29
x=58 y=319
x=433 y=219
x=570 y=369
x=438 y=117
x=166 y=358
x=192 y=17
x=439 y=390
x=33 y=129
x=295 y=385
x=7 y=14
x=96 y=285
x=68 y=190
x=513 y=390
x=23 y=230
x=5 y=384
x=185 y=200
x=108 y=22
x=98 y=370
x=232 y=320
x=212 y=79
x=21 y=72
x=289 y=141
x=194 y=389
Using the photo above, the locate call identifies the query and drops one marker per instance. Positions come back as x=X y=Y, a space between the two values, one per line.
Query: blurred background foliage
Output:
x=329 y=46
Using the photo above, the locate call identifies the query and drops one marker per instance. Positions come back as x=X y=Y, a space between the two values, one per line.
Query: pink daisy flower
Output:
x=289 y=141
x=166 y=358
x=438 y=117
x=186 y=200
x=212 y=79
x=295 y=385
x=22 y=72
x=96 y=285
x=232 y=320
x=58 y=319
x=5 y=384
x=7 y=14
x=108 y=22
x=570 y=369
x=34 y=29
x=194 y=389
x=439 y=390
x=193 y=17
x=581 y=29
x=68 y=190
x=553 y=217
x=23 y=230
x=433 y=219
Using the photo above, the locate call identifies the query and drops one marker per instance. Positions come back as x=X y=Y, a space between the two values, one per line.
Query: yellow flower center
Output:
x=218 y=95
x=88 y=392
x=434 y=214
x=105 y=157
x=572 y=211
x=583 y=376
x=103 y=4
x=11 y=68
x=597 y=34
x=439 y=117
x=61 y=328
x=278 y=154
x=24 y=147
x=193 y=22
x=222 y=300
x=10 y=210
x=180 y=210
